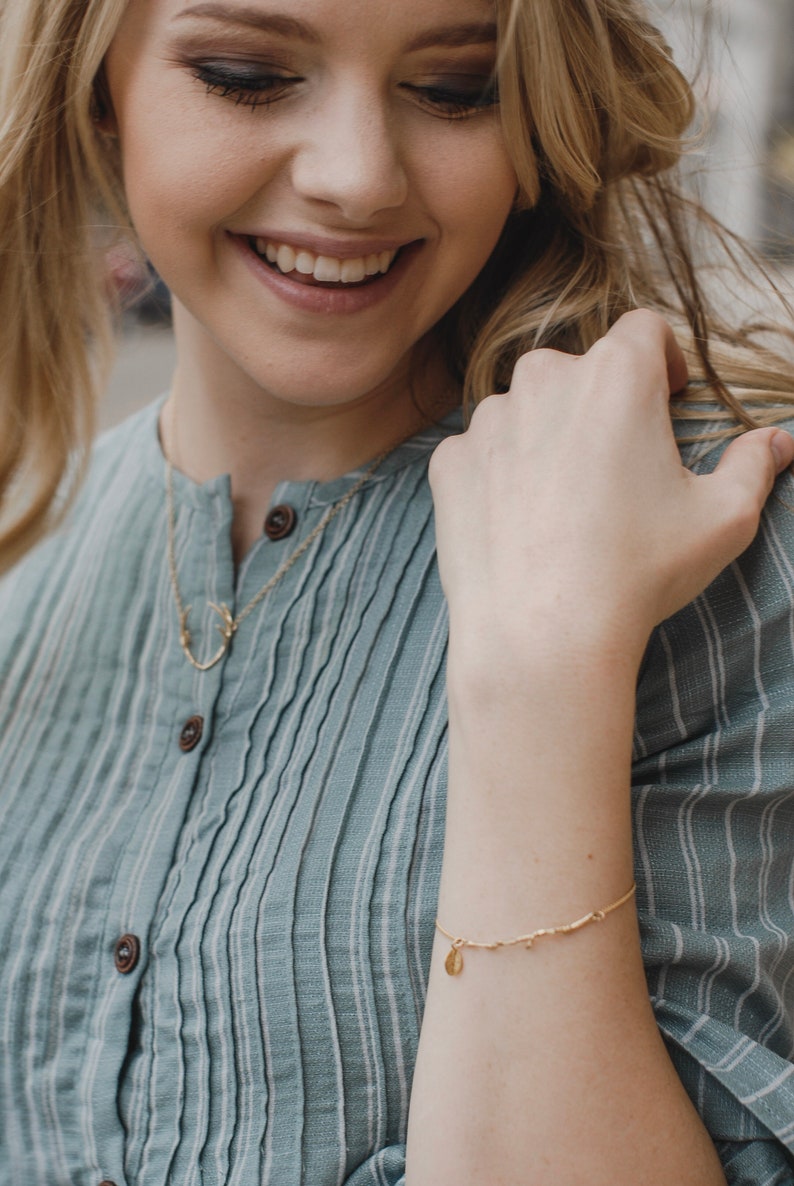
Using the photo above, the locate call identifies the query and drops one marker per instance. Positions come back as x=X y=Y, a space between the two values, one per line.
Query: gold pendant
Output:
x=227 y=631
x=454 y=961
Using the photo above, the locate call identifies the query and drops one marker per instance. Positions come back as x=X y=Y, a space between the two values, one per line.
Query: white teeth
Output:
x=324 y=267
x=327 y=269
x=353 y=270
x=304 y=263
x=267 y=249
x=286 y=258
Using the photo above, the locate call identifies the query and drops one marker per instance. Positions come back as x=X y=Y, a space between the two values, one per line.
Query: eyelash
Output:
x=245 y=90
x=262 y=90
x=456 y=104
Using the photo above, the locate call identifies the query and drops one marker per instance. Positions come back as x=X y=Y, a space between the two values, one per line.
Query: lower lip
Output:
x=313 y=298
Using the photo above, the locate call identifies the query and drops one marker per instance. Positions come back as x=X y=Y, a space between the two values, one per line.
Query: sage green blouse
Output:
x=217 y=890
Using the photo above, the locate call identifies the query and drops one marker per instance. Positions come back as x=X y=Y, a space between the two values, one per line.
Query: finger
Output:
x=746 y=473
x=782 y=446
x=644 y=328
x=756 y=458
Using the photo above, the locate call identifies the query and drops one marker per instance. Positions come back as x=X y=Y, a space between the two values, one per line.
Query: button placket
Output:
x=178 y=720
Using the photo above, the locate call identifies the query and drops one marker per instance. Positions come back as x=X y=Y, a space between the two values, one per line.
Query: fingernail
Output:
x=782 y=447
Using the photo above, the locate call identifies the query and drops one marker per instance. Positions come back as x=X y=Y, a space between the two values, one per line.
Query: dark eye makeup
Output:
x=246 y=86
x=455 y=101
x=257 y=86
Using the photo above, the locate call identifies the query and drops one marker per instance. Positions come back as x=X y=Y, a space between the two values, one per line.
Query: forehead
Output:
x=359 y=22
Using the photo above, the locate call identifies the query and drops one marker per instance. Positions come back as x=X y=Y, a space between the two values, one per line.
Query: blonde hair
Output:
x=595 y=116
x=55 y=175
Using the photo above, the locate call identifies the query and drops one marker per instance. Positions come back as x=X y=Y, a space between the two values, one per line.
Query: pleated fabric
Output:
x=281 y=875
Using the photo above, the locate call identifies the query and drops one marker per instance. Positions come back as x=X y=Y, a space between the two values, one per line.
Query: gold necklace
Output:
x=229 y=624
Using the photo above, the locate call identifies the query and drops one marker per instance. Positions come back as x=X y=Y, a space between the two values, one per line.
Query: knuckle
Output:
x=531 y=367
x=645 y=319
x=634 y=359
x=621 y=362
x=642 y=330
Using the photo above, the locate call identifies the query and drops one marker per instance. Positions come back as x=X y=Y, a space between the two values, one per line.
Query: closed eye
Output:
x=456 y=101
x=245 y=86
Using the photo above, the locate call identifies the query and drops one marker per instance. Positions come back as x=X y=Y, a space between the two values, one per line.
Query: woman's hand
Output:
x=566 y=501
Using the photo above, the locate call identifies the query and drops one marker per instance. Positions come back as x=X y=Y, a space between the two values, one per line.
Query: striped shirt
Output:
x=217 y=890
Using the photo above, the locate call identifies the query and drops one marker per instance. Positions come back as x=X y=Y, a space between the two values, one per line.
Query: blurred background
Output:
x=741 y=55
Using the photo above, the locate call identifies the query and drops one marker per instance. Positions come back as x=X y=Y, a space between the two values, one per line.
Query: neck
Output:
x=260 y=440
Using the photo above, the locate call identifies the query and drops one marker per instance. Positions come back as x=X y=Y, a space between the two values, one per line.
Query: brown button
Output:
x=107 y=1182
x=191 y=733
x=126 y=953
x=280 y=521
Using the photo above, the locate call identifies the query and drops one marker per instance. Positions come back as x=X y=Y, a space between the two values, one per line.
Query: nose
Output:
x=351 y=158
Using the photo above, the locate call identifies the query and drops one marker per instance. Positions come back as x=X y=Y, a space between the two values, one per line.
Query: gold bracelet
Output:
x=454 y=961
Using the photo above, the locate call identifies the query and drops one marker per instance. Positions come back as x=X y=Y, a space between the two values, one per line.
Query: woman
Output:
x=227 y=753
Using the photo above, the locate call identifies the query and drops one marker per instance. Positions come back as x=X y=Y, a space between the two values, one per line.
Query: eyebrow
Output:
x=450 y=36
x=253 y=18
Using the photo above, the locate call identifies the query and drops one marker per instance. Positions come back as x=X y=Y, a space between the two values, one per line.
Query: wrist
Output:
x=540 y=761
x=540 y=667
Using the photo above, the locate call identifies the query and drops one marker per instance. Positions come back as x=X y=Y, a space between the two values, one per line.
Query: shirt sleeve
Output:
x=755 y=1163
x=385 y=1168
x=713 y=787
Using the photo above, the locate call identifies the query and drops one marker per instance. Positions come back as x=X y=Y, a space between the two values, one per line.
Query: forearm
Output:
x=544 y=1065
x=567 y=528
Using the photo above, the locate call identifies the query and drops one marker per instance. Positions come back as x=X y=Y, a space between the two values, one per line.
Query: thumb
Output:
x=756 y=458
x=746 y=473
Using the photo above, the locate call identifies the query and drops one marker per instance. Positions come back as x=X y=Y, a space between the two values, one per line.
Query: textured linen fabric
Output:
x=282 y=875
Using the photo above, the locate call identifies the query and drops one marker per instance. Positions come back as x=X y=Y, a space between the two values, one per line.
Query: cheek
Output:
x=189 y=177
x=177 y=183
x=478 y=190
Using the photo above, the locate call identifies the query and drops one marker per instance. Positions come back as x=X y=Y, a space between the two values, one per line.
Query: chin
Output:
x=332 y=379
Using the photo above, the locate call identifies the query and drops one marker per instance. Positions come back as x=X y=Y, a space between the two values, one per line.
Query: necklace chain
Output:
x=229 y=624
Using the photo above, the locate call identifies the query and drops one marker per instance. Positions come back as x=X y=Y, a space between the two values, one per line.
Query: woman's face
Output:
x=317 y=181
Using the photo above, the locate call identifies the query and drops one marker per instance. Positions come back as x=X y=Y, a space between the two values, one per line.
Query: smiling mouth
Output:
x=323 y=271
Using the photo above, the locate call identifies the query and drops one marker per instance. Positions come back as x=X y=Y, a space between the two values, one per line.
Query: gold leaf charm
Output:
x=454 y=962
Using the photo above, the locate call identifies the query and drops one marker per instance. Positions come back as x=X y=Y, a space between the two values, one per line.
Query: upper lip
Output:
x=323 y=245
